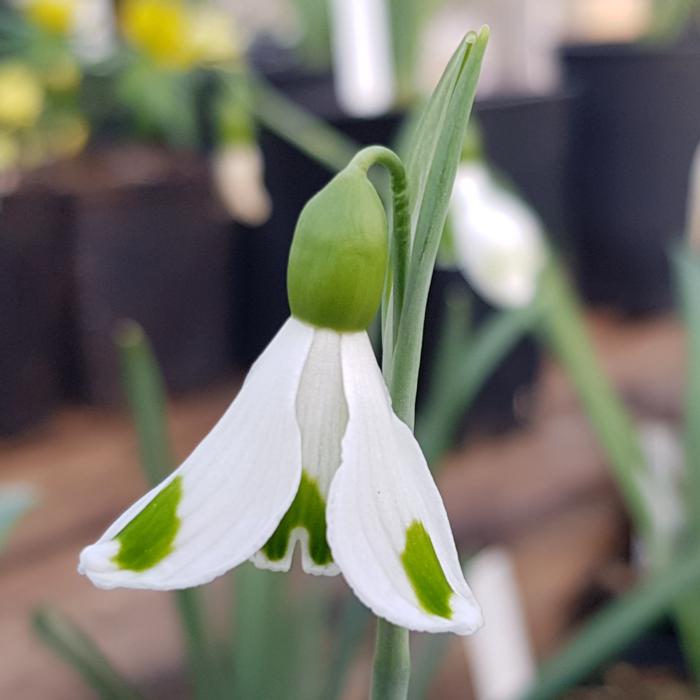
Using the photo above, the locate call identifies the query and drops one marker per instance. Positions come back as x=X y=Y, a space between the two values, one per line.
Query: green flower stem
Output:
x=146 y=396
x=563 y=329
x=392 y=662
x=437 y=144
x=401 y=217
x=392 y=658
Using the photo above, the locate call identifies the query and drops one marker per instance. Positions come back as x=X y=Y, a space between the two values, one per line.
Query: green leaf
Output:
x=348 y=635
x=76 y=648
x=686 y=269
x=563 y=329
x=297 y=126
x=431 y=167
x=15 y=501
x=145 y=394
x=615 y=627
x=464 y=363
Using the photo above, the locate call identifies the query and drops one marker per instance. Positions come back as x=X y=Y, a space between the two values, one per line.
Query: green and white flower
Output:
x=498 y=241
x=310 y=453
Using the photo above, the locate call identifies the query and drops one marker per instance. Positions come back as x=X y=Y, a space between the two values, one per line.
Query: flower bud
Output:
x=338 y=258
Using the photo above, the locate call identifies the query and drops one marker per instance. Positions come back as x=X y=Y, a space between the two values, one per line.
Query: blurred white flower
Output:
x=362 y=57
x=238 y=174
x=661 y=482
x=498 y=241
x=693 y=223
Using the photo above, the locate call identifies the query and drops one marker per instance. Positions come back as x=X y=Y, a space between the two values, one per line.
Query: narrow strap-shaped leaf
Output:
x=75 y=647
x=431 y=168
x=616 y=626
x=465 y=367
x=145 y=392
x=299 y=127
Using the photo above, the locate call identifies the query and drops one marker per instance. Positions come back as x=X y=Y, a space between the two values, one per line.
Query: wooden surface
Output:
x=543 y=491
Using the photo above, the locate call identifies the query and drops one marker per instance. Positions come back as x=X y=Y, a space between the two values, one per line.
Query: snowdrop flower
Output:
x=237 y=165
x=497 y=240
x=238 y=175
x=310 y=453
x=694 y=203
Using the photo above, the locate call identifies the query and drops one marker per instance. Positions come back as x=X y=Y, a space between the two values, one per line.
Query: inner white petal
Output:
x=321 y=409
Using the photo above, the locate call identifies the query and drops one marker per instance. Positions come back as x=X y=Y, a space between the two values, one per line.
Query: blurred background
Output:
x=154 y=157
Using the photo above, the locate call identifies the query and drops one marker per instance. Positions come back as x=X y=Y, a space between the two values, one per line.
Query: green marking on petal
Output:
x=425 y=573
x=308 y=510
x=149 y=537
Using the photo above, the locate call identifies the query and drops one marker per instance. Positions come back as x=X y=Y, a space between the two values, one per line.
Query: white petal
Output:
x=382 y=489
x=235 y=486
x=498 y=240
x=323 y=416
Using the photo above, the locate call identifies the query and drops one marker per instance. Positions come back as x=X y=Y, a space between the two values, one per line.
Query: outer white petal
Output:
x=498 y=240
x=322 y=415
x=236 y=485
x=382 y=487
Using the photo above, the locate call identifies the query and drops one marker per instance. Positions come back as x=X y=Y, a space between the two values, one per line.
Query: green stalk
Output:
x=432 y=167
x=146 y=396
x=392 y=662
x=564 y=330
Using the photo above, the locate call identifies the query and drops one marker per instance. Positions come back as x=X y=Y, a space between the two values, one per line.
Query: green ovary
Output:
x=149 y=537
x=308 y=510
x=425 y=573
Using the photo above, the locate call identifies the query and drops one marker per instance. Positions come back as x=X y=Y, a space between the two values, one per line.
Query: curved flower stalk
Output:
x=498 y=241
x=310 y=453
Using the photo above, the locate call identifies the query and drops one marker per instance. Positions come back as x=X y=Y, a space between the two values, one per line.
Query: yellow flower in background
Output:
x=21 y=95
x=63 y=75
x=212 y=36
x=158 y=28
x=56 y=16
x=176 y=35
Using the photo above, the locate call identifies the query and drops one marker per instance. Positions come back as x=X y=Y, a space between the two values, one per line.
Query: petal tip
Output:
x=98 y=559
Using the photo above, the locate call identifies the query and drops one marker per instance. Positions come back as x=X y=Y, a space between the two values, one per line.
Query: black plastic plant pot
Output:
x=149 y=244
x=633 y=136
x=33 y=283
x=292 y=178
x=503 y=401
x=526 y=139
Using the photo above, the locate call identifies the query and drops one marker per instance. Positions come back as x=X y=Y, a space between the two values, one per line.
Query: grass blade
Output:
x=146 y=396
x=619 y=624
x=431 y=166
x=75 y=647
